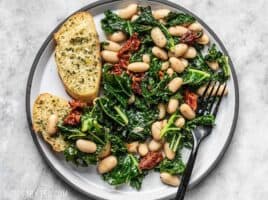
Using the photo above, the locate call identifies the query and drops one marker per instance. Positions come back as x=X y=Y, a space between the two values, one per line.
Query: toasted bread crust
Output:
x=44 y=106
x=77 y=56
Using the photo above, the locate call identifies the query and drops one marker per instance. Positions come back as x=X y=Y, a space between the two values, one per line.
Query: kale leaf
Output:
x=112 y=23
x=174 y=167
x=117 y=146
x=118 y=87
x=139 y=124
x=114 y=112
x=146 y=18
x=154 y=89
x=72 y=154
x=174 y=18
x=194 y=77
x=127 y=171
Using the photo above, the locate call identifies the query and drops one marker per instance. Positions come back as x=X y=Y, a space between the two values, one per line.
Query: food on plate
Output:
x=77 y=55
x=48 y=110
x=155 y=66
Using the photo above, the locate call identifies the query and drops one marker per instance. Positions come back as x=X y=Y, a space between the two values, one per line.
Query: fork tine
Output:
x=214 y=99
x=202 y=98
x=205 y=91
x=219 y=102
x=207 y=98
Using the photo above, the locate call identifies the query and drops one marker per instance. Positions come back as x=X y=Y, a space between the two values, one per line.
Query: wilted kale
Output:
x=173 y=167
x=175 y=18
x=193 y=77
x=213 y=54
x=200 y=63
x=139 y=124
x=205 y=120
x=112 y=111
x=112 y=23
x=154 y=89
x=216 y=56
x=146 y=18
x=172 y=133
x=70 y=133
x=72 y=154
x=127 y=171
x=118 y=148
x=146 y=48
x=117 y=87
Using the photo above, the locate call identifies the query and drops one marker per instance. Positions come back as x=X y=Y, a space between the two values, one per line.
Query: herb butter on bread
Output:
x=44 y=106
x=77 y=56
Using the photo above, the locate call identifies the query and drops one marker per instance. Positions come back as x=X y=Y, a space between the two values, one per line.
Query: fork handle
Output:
x=187 y=174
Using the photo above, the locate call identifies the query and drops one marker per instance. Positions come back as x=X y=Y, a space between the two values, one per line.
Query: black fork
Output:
x=208 y=104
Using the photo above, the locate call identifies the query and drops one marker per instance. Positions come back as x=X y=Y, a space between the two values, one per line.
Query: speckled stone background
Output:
x=243 y=27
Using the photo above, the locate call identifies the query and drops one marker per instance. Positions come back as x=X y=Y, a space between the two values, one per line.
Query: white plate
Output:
x=44 y=78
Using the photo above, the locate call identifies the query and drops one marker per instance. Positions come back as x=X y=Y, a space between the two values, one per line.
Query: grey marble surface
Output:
x=243 y=27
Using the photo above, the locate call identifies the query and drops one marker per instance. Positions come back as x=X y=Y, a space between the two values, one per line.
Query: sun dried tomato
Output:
x=73 y=118
x=136 y=82
x=191 y=99
x=151 y=160
x=132 y=44
x=190 y=37
x=77 y=105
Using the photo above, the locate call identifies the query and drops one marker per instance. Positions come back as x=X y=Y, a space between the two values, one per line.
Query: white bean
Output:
x=180 y=122
x=177 y=30
x=164 y=123
x=214 y=65
x=185 y=62
x=169 y=179
x=138 y=67
x=176 y=64
x=118 y=36
x=170 y=71
x=160 y=53
x=154 y=145
x=165 y=66
x=180 y=49
x=52 y=124
x=156 y=129
x=204 y=39
x=162 y=111
x=107 y=164
x=143 y=149
x=221 y=90
x=146 y=58
x=195 y=27
x=134 y=17
x=175 y=84
x=132 y=147
x=109 y=56
x=128 y=12
x=173 y=105
x=160 y=13
x=187 y=111
x=168 y=152
x=190 y=53
x=158 y=37
x=86 y=146
x=112 y=46
x=106 y=151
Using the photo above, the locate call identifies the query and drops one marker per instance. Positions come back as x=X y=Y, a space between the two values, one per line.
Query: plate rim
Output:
x=98 y=3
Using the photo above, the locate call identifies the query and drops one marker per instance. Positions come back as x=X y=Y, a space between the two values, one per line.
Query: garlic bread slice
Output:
x=44 y=106
x=77 y=56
